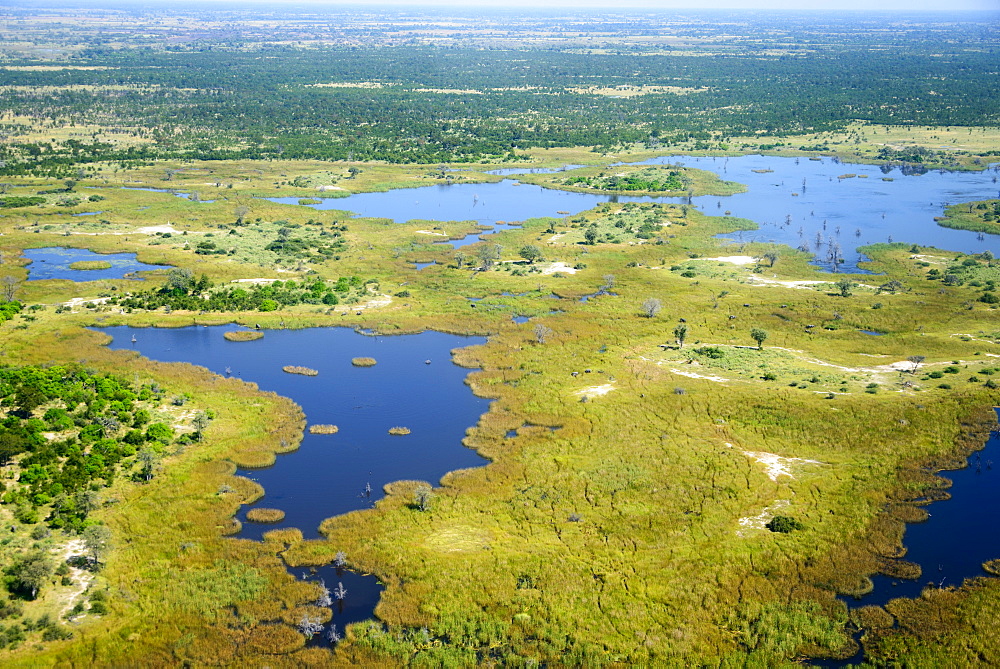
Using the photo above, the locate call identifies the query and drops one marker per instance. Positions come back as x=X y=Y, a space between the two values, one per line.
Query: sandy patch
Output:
x=755 y=280
x=776 y=465
x=153 y=229
x=901 y=366
x=736 y=260
x=431 y=232
x=325 y=189
x=556 y=237
x=760 y=521
x=80 y=301
x=693 y=375
x=554 y=267
x=595 y=391
x=81 y=577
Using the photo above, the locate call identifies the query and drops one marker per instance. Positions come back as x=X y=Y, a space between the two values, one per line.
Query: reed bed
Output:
x=254 y=459
x=243 y=335
x=264 y=515
x=399 y=431
x=323 y=429
x=284 y=535
x=90 y=264
x=298 y=369
x=363 y=362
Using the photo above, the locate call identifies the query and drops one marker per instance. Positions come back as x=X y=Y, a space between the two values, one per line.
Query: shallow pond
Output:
x=795 y=201
x=54 y=263
x=330 y=474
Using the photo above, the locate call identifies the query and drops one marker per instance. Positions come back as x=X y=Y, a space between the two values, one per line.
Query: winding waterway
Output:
x=413 y=384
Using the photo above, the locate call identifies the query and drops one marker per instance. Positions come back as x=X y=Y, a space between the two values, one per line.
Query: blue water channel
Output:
x=795 y=201
x=414 y=384
x=54 y=263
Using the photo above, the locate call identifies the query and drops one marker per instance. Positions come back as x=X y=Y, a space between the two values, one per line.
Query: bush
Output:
x=783 y=524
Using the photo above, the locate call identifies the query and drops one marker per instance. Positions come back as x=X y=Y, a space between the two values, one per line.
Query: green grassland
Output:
x=623 y=523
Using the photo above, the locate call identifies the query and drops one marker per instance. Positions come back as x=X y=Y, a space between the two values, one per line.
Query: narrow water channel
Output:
x=413 y=384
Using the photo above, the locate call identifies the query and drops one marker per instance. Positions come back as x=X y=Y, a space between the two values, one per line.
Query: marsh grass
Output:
x=90 y=264
x=263 y=515
x=399 y=431
x=285 y=535
x=647 y=472
x=243 y=335
x=323 y=429
x=254 y=459
x=298 y=369
x=363 y=362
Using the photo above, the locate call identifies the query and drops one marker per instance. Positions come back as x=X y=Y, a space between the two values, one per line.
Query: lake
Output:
x=54 y=263
x=851 y=212
x=329 y=474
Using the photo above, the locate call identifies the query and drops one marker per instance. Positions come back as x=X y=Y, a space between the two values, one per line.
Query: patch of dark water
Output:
x=953 y=543
x=333 y=474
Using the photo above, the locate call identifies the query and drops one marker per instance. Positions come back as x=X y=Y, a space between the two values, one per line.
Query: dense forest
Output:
x=235 y=99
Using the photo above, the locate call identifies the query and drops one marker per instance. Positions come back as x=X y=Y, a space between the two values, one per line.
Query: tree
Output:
x=758 y=335
x=609 y=282
x=771 y=257
x=651 y=307
x=844 y=286
x=422 y=496
x=180 y=279
x=680 y=334
x=590 y=235
x=32 y=571
x=488 y=254
x=916 y=360
x=97 y=540
x=241 y=212
x=10 y=285
x=542 y=333
x=531 y=253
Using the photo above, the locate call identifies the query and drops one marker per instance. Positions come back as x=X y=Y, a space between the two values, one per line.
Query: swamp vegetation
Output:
x=696 y=446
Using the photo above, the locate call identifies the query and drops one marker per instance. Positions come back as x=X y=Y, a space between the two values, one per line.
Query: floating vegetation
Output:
x=90 y=264
x=296 y=369
x=243 y=335
x=323 y=429
x=264 y=515
x=363 y=362
x=992 y=567
x=399 y=431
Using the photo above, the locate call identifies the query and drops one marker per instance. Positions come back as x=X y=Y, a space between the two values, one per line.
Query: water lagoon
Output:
x=54 y=263
x=795 y=201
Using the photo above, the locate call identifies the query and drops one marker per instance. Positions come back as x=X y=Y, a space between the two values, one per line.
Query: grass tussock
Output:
x=399 y=431
x=323 y=429
x=363 y=362
x=264 y=515
x=243 y=335
x=298 y=369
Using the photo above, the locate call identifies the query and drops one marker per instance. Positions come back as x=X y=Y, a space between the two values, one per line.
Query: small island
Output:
x=297 y=369
x=87 y=265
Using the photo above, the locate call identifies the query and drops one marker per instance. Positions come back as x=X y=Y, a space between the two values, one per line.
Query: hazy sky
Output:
x=881 y=5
